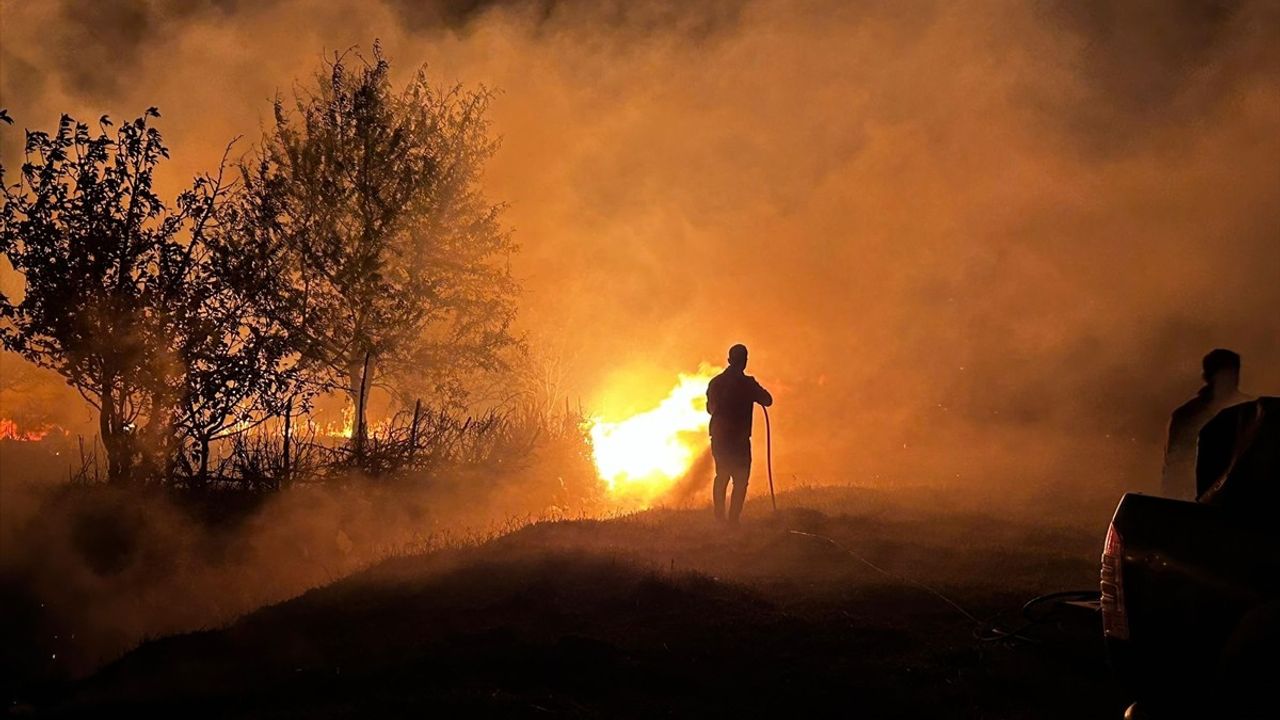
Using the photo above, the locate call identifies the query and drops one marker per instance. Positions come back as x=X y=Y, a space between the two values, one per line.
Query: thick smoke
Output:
x=981 y=244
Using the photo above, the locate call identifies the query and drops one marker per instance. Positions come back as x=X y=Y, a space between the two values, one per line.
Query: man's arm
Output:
x=762 y=396
x=711 y=396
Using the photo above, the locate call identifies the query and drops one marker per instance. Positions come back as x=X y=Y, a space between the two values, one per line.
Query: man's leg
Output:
x=721 y=482
x=741 y=473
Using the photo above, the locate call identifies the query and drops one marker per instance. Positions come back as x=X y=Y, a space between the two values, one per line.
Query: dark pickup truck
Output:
x=1191 y=590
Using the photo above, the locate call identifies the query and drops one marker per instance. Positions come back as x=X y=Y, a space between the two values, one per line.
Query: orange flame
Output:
x=9 y=430
x=346 y=428
x=642 y=456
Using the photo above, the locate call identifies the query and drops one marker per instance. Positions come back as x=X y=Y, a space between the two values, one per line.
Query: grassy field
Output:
x=662 y=613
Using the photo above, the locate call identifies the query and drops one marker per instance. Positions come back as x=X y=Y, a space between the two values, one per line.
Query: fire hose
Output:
x=984 y=631
x=768 y=456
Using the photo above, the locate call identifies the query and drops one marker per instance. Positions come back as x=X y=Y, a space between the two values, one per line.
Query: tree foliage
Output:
x=132 y=300
x=394 y=257
x=93 y=242
x=240 y=367
x=357 y=238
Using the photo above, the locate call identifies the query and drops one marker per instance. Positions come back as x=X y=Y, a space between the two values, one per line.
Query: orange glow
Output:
x=336 y=429
x=9 y=430
x=346 y=428
x=640 y=457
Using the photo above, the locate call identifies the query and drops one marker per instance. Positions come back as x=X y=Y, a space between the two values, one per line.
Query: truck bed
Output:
x=1184 y=585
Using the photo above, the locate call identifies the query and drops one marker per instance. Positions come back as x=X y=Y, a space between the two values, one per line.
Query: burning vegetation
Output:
x=9 y=430
x=643 y=456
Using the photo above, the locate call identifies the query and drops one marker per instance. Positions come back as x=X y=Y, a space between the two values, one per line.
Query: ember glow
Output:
x=9 y=430
x=640 y=457
x=346 y=428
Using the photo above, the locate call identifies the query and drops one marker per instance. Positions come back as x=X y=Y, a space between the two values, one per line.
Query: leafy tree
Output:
x=88 y=233
x=134 y=302
x=239 y=367
x=395 y=259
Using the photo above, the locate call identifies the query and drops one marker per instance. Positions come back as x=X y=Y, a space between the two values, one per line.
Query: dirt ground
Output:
x=662 y=613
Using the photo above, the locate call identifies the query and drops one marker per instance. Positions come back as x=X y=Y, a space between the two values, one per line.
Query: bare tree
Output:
x=395 y=259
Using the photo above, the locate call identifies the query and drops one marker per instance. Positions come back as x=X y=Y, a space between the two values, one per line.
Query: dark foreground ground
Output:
x=660 y=614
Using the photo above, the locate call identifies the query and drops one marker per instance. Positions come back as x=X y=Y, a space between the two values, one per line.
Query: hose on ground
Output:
x=984 y=630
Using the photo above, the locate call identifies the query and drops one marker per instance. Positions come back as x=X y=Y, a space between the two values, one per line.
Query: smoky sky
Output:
x=981 y=243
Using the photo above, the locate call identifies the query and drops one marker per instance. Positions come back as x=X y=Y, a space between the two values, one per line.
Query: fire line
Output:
x=642 y=456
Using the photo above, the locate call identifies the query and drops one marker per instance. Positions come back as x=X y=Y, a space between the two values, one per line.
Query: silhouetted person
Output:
x=731 y=399
x=1221 y=390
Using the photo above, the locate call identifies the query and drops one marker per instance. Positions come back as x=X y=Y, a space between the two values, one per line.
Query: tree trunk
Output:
x=360 y=370
x=114 y=443
x=288 y=431
x=202 y=477
x=413 y=429
x=158 y=446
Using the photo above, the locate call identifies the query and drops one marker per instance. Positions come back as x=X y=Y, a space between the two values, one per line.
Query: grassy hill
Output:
x=663 y=613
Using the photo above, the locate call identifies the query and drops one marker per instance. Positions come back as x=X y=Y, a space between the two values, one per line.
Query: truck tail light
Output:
x=1115 y=621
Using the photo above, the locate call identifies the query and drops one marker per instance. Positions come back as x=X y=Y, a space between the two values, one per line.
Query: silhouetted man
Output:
x=1221 y=390
x=731 y=399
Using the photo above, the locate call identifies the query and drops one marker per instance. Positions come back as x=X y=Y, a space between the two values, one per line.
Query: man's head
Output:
x=1222 y=369
x=738 y=357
